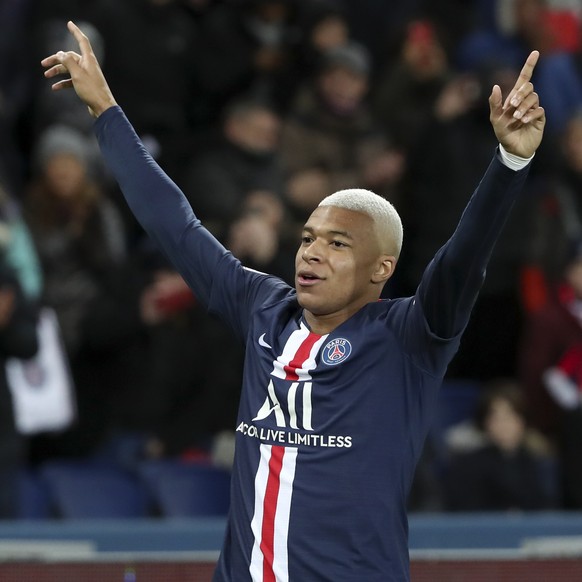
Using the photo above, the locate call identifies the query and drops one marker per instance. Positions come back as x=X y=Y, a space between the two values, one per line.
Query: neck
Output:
x=326 y=323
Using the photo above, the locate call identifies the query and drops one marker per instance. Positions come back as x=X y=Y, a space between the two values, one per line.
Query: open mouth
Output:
x=306 y=279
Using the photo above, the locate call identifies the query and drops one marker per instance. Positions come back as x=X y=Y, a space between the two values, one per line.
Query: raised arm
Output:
x=216 y=277
x=452 y=281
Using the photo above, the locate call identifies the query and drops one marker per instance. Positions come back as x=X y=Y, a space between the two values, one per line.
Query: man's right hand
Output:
x=85 y=73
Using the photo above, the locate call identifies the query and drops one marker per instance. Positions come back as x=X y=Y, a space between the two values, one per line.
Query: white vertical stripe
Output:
x=282 y=514
x=307 y=406
x=291 y=346
x=280 y=545
x=279 y=416
x=309 y=364
x=261 y=479
x=291 y=405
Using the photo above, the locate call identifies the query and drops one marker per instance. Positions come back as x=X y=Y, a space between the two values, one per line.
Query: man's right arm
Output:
x=216 y=277
x=158 y=204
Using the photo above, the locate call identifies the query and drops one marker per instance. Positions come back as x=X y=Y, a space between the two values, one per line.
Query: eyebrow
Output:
x=343 y=233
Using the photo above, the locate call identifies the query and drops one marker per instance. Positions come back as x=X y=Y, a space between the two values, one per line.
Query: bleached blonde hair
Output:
x=386 y=219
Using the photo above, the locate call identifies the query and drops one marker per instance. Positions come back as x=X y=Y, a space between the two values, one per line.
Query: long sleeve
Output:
x=451 y=282
x=215 y=276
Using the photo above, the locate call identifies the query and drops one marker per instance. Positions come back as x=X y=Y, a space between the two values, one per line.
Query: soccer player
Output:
x=339 y=387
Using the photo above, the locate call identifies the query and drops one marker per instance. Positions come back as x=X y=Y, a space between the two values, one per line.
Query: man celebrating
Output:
x=338 y=387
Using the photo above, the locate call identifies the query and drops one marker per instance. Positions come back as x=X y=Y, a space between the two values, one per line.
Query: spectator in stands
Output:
x=377 y=24
x=522 y=25
x=552 y=290
x=88 y=281
x=327 y=28
x=197 y=405
x=511 y=470
x=324 y=27
x=260 y=239
x=557 y=218
x=238 y=186
x=17 y=246
x=76 y=229
x=18 y=338
x=406 y=91
x=563 y=381
x=20 y=285
x=550 y=333
x=330 y=139
x=245 y=160
x=128 y=322
x=243 y=47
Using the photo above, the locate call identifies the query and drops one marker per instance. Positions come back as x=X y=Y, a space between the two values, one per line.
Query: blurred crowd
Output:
x=258 y=109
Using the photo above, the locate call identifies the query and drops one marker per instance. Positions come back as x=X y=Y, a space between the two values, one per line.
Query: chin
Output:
x=313 y=305
x=307 y=301
x=304 y=302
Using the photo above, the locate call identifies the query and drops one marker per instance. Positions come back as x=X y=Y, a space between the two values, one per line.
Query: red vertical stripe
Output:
x=269 y=510
x=300 y=357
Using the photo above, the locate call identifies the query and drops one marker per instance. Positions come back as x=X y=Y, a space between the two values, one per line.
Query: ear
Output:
x=384 y=269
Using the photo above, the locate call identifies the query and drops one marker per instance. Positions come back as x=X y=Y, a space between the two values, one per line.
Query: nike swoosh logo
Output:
x=263 y=343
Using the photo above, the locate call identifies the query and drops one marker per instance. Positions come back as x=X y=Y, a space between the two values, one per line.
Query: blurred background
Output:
x=118 y=391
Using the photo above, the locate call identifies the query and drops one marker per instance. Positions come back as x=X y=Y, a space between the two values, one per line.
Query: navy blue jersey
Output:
x=330 y=427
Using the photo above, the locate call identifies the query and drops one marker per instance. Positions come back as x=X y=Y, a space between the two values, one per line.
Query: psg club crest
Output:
x=336 y=351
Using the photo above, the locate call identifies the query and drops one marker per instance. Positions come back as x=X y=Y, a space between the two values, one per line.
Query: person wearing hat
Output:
x=77 y=230
x=330 y=140
x=80 y=239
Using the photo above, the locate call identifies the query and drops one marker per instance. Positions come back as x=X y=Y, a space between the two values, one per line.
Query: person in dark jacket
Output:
x=18 y=338
x=507 y=472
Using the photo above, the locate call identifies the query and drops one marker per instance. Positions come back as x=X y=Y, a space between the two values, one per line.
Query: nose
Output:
x=312 y=253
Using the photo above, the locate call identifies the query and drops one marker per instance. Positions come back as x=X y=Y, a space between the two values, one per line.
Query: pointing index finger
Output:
x=84 y=44
x=525 y=76
x=527 y=71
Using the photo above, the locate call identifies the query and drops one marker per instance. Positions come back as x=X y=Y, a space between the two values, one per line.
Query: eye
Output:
x=306 y=240
x=338 y=244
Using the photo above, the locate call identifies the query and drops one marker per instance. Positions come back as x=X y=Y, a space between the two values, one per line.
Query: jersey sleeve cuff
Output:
x=512 y=161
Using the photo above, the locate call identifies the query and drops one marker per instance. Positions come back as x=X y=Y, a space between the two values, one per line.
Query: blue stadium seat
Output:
x=124 y=449
x=88 y=490
x=187 y=490
x=457 y=401
x=34 y=499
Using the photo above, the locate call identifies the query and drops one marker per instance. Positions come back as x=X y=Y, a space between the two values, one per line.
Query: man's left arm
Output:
x=451 y=282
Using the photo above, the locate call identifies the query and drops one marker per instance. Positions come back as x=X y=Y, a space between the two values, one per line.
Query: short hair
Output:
x=505 y=389
x=382 y=212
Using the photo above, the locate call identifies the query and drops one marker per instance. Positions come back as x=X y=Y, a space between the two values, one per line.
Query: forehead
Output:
x=324 y=219
x=501 y=405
